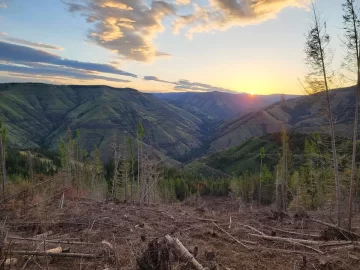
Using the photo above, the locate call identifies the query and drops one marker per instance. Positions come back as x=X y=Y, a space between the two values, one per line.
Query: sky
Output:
x=163 y=46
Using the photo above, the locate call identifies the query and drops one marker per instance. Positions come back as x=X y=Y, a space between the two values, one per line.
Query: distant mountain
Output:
x=216 y=106
x=37 y=115
x=302 y=114
x=180 y=126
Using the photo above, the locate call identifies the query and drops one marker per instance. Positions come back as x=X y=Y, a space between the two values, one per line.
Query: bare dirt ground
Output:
x=118 y=234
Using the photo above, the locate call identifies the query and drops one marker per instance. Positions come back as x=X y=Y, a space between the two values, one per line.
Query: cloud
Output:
x=224 y=14
x=130 y=26
x=125 y=26
x=188 y=85
x=3 y=5
x=4 y=36
x=182 y=2
x=196 y=86
x=22 y=54
x=49 y=71
x=156 y=79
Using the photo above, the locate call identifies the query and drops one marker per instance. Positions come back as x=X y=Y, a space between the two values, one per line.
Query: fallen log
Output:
x=232 y=237
x=51 y=254
x=183 y=252
x=338 y=243
x=298 y=242
x=20 y=239
x=348 y=247
x=252 y=228
x=293 y=233
x=335 y=227
x=44 y=235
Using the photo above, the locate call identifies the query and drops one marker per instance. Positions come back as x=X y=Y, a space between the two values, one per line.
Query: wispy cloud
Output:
x=46 y=70
x=4 y=36
x=22 y=54
x=29 y=61
x=156 y=79
x=188 y=85
x=125 y=26
x=3 y=5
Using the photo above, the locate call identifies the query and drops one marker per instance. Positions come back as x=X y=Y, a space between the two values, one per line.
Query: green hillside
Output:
x=37 y=115
x=246 y=156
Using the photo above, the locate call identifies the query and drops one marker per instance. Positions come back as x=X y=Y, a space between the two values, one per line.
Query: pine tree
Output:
x=140 y=135
x=262 y=155
x=352 y=44
x=318 y=61
x=132 y=160
x=3 y=138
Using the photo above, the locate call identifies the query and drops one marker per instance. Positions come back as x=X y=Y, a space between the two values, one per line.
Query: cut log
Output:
x=298 y=242
x=44 y=235
x=55 y=250
x=104 y=242
x=69 y=255
x=182 y=252
x=252 y=228
x=11 y=262
x=294 y=233
x=20 y=239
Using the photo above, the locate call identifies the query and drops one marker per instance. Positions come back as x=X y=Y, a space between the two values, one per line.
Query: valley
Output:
x=37 y=116
x=92 y=166
x=180 y=134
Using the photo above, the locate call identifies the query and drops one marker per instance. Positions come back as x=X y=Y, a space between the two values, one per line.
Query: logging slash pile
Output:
x=211 y=233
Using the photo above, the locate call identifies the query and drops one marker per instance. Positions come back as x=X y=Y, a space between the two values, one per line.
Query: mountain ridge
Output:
x=38 y=115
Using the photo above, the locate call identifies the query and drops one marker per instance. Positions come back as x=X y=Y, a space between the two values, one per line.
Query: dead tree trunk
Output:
x=183 y=252
x=351 y=25
x=3 y=163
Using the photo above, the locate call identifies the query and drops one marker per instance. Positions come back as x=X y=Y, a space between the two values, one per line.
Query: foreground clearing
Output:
x=89 y=235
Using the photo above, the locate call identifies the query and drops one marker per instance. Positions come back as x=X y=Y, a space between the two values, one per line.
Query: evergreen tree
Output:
x=318 y=61
x=352 y=63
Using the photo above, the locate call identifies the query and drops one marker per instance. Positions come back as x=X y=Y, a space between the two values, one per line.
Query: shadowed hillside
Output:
x=302 y=114
x=216 y=106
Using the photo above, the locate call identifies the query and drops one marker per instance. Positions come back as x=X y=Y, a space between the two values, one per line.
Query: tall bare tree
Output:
x=284 y=161
x=125 y=169
x=30 y=160
x=2 y=155
x=352 y=64
x=318 y=59
x=116 y=160
x=131 y=148
x=140 y=135
x=262 y=155
x=70 y=155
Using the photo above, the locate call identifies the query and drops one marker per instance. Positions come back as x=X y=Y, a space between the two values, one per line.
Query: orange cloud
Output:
x=130 y=26
x=224 y=14
x=116 y=5
x=125 y=26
